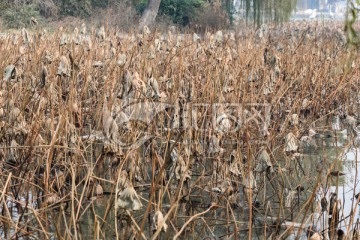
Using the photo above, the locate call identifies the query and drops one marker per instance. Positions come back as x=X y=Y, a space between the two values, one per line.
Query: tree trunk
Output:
x=150 y=13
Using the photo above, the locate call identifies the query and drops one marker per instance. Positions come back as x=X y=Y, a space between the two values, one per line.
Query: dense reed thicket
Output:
x=179 y=134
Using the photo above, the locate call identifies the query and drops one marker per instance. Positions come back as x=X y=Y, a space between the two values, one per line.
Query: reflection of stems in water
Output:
x=112 y=199
x=281 y=210
x=158 y=177
x=235 y=224
x=159 y=229
x=2 y=199
x=307 y=204
x=191 y=219
x=73 y=194
x=249 y=157
x=341 y=220
x=356 y=199
x=272 y=185
x=135 y=224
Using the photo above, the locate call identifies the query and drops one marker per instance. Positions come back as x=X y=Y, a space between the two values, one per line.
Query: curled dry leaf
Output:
x=99 y=190
x=123 y=121
x=14 y=150
x=350 y=122
x=290 y=198
x=228 y=57
x=307 y=141
x=294 y=120
x=146 y=30
x=214 y=145
x=33 y=21
x=196 y=37
x=312 y=132
x=137 y=83
x=43 y=76
x=157 y=45
x=232 y=36
x=223 y=122
x=25 y=36
x=234 y=167
x=98 y=64
x=264 y=161
x=22 y=50
x=180 y=169
x=64 y=39
x=64 y=67
x=159 y=221
x=107 y=124
x=9 y=73
x=153 y=83
x=83 y=29
x=114 y=129
x=101 y=33
x=224 y=188
x=75 y=107
x=126 y=84
x=110 y=127
x=48 y=57
x=15 y=116
x=315 y=236
x=121 y=60
x=2 y=100
x=249 y=181
x=129 y=200
x=52 y=198
x=219 y=37
x=291 y=143
x=1 y=104
x=178 y=42
x=151 y=52
x=60 y=178
x=123 y=179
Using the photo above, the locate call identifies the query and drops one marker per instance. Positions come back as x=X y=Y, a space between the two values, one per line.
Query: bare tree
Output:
x=150 y=13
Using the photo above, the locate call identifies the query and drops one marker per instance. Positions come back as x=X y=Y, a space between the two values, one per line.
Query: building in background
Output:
x=320 y=9
x=307 y=4
x=305 y=9
x=340 y=5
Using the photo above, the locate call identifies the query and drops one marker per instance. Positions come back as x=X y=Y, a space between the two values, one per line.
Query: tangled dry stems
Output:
x=67 y=131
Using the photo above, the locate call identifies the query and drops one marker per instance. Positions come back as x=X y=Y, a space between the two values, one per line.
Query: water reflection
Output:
x=334 y=151
x=347 y=187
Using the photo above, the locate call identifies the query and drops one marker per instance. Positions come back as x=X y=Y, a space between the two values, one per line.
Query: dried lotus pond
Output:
x=149 y=135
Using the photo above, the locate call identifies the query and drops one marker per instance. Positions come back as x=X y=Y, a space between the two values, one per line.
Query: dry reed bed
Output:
x=66 y=120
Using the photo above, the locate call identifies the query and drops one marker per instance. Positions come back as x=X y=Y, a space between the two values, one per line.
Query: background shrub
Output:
x=213 y=17
x=181 y=12
x=18 y=17
x=118 y=13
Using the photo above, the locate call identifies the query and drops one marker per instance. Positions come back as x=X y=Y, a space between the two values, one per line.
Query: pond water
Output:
x=336 y=153
x=342 y=158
